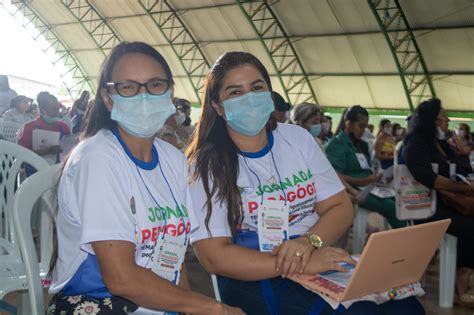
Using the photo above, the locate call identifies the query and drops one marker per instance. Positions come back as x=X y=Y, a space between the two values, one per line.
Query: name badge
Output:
x=168 y=258
x=273 y=224
x=362 y=161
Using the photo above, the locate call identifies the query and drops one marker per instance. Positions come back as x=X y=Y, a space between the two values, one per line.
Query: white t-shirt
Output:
x=306 y=175
x=95 y=202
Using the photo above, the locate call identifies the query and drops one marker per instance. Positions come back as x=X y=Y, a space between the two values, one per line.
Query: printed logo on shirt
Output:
x=175 y=226
x=300 y=192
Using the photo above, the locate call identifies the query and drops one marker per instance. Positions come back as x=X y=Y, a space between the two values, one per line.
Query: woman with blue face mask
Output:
x=124 y=205
x=267 y=202
x=308 y=116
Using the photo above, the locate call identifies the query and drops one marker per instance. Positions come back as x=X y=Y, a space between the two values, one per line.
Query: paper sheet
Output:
x=383 y=192
x=43 y=139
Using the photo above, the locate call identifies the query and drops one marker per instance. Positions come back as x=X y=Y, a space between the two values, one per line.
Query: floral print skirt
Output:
x=86 y=305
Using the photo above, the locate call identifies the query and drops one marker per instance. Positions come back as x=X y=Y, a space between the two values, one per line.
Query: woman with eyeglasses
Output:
x=124 y=205
x=268 y=203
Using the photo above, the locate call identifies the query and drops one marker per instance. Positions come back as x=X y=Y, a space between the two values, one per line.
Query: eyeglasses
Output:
x=131 y=88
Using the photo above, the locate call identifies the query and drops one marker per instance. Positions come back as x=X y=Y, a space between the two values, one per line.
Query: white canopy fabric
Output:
x=338 y=43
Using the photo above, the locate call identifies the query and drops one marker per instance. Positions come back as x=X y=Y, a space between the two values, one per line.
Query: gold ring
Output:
x=298 y=254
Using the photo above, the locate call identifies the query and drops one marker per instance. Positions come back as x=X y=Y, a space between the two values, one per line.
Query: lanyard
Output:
x=258 y=178
x=163 y=213
x=132 y=201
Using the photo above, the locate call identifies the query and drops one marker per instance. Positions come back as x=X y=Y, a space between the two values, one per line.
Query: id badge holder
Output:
x=363 y=161
x=273 y=222
x=169 y=257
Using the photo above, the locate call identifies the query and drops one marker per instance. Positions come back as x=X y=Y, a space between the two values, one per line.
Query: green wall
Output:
x=395 y=116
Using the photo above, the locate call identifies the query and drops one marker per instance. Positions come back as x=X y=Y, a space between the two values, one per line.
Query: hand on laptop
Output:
x=328 y=258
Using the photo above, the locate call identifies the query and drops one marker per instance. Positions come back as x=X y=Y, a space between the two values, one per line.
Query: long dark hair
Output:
x=212 y=153
x=424 y=120
x=382 y=123
x=467 y=133
x=352 y=114
x=98 y=117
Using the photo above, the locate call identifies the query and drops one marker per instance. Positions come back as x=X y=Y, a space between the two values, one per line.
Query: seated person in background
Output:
x=371 y=128
x=184 y=106
x=18 y=110
x=397 y=156
x=397 y=132
x=421 y=148
x=462 y=145
x=282 y=108
x=239 y=161
x=326 y=126
x=174 y=132
x=49 y=120
x=308 y=116
x=349 y=156
x=384 y=145
x=64 y=115
x=78 y=111
x=6 y=94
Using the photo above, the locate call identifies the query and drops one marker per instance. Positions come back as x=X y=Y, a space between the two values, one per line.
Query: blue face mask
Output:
x=142 y=115
x=248 y=114
x=315 y=130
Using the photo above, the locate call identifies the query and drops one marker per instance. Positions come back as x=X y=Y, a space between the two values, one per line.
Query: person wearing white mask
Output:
x=174 y=131
x=326 y=128
x=124 y=204
x=462 y=145
x=384 y=145
x=282 y=108
x=248 y=172
x=49 y=120
x=308 y=116
x=18 y=110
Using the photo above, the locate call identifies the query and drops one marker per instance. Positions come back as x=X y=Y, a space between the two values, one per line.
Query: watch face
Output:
x=316 y=240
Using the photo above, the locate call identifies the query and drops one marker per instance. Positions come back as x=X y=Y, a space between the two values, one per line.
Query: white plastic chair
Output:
x=35 y=187
x=9 y=130
x=12 y=156
x=447 y=270
x=359 y=228
x=215 y=286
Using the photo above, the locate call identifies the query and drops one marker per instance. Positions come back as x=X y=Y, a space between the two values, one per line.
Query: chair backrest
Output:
x=9 y=130
x=12 y=157
x=37 y=186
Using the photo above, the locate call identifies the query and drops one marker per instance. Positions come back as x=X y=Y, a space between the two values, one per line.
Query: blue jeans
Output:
x=296 y=300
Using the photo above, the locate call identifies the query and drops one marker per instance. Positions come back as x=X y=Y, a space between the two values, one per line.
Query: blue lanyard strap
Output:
x=255 y=174
x=163 y=213
x=258 y=178
x=279 y=177
x=150 y=166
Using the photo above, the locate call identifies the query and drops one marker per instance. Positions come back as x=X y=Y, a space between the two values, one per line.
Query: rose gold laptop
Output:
x=390 y=259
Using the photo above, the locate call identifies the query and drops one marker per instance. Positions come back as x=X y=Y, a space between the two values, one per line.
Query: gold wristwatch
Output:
x=314 y=240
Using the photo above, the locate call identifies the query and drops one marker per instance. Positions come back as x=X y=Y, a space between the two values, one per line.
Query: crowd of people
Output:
x=130 y=201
